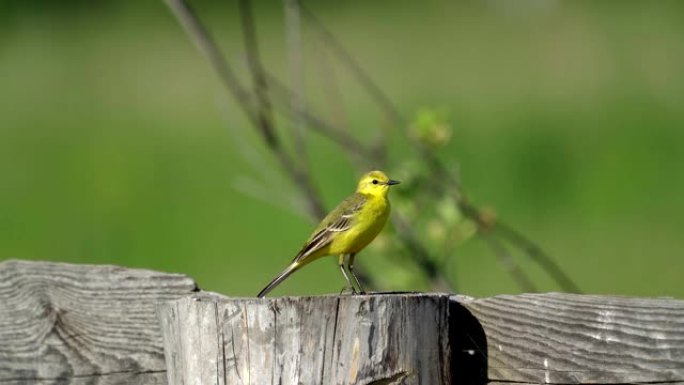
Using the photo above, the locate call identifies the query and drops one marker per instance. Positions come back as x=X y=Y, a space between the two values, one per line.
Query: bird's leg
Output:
x=340 y=263
x=351 y=270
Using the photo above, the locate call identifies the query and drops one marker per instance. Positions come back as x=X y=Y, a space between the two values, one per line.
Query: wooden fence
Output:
x=86 y=324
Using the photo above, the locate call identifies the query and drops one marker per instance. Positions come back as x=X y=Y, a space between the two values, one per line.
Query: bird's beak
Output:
x=392 y=182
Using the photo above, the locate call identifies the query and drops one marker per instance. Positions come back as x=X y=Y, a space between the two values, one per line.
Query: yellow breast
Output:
x=367 y=225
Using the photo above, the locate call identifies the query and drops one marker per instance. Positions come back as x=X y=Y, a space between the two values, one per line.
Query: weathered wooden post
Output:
x=424 y=339
x=94 y=324
x=370 y=339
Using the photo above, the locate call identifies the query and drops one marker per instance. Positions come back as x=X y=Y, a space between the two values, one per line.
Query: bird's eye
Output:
x=375 y=181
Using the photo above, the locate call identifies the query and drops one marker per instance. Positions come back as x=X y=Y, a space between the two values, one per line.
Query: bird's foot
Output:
x=347 y=290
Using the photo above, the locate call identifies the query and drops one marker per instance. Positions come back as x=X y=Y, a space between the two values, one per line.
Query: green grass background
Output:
x=118 y=145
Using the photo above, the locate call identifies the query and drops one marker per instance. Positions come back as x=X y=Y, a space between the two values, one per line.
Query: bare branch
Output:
x=264 y=112
x=418 y=252
x=300 y=175
x=316 y=123
x=508 y=263
x=258 y=188
x=260 y=115
x=201 y=37
x=539 y=256
x=391 y=112
x=296 y=67
x=328 y=79
x=534 y=252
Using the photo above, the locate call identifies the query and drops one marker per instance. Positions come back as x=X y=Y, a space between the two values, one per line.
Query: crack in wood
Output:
x=234 y=358
x=249 y=352
x=218 y=342
x=334 y=336
x=275 y=345
x=89 y=375
x=223 y=352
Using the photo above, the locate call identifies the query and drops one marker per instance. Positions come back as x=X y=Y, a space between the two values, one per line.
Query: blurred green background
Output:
x=118 y=144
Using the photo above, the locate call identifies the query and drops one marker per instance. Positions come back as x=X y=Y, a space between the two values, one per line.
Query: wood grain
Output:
x=575 y=339
x=78 y=324
x=84 y=324
x=530 y=383
x=378 y=339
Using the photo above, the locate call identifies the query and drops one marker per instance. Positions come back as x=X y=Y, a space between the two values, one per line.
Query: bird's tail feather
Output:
x=280 y=278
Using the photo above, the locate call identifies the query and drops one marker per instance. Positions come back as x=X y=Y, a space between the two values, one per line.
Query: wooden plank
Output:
x=376 y=339
x=81 y=324
x=158 y=378
x=63 y=323
x=530 y=383
x=574 y=339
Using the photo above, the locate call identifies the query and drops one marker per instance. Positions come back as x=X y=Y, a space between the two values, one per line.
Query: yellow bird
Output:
x=350 y=227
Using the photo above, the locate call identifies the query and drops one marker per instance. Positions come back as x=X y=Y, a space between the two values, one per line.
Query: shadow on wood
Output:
x=558 y=338
x=468 y=346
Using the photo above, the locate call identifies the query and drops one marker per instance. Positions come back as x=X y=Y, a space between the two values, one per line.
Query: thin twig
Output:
x=534 y=252
x=317 y=124
x=201 y=37
x=296 y=70
x=260 y=115
x=206 y=44
x=537 y=255
x=508 y=263
x=420 y=254
x=391 y=112
x=264 y=112
x=299 y=173
x=333 y=95
x=262 y=192
x=267 y=175
x=329 y=81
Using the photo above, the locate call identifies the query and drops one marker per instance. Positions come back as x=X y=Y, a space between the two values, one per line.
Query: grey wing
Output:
x=338 y=221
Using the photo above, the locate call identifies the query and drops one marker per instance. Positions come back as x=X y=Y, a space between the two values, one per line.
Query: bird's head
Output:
x=375 y=183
